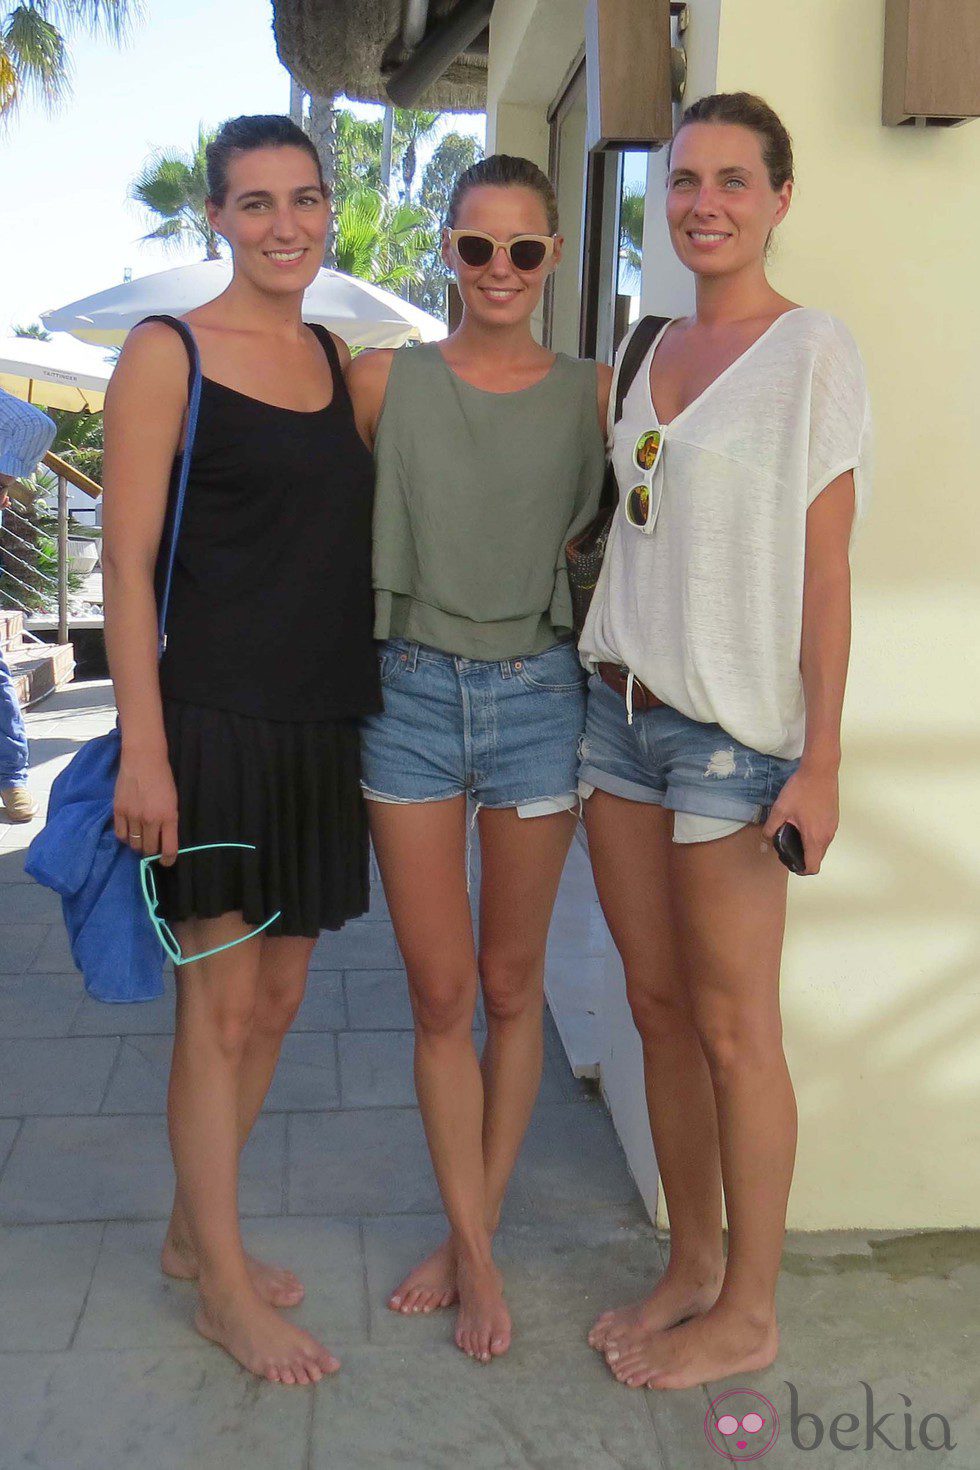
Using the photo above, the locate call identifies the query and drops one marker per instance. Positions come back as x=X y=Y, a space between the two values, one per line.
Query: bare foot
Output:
x=432 y=1284
x=483 y=1325
x=677 y=1296
x=274 y=1284
x=255 y=1335
x=720 y=1344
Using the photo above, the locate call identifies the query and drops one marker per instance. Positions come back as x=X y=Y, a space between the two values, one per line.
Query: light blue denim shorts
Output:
x=713 y=784
x=505 y=733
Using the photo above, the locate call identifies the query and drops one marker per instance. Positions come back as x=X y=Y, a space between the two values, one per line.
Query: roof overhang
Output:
x=355 y=46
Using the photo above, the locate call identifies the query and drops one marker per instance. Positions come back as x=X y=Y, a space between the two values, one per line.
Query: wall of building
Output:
x=882 y=961
x=882 y=969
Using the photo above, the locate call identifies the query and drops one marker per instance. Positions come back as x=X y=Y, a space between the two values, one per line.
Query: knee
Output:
x=734 y=1040
x=659 y=1010
x=511 y=984
x=228 y=1024
x=278 y=1005
x=442 y=1003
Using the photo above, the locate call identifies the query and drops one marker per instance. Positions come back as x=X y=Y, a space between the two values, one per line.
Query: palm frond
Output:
x=169 y=231
x=9 y=88
x=37 y=52
x=111 y=18
x=165 y=185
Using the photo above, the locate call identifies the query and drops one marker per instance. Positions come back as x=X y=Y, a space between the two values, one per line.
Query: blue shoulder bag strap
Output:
x=193 y=404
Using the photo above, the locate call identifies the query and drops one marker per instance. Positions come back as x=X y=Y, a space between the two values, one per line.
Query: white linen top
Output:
x=705 y=604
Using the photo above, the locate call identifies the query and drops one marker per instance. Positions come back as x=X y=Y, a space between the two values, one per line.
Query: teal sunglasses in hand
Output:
x=164 y=932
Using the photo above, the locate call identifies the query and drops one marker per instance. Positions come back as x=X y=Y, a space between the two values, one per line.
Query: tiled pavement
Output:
x=100 y=1367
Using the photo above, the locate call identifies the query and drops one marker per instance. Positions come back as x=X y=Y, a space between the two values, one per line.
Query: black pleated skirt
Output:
x=289 y=788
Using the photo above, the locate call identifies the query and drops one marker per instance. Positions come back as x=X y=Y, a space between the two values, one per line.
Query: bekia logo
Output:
x=743 y=1425
x=896 y=1429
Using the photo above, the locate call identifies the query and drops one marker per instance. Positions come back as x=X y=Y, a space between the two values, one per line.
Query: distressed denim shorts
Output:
x=505 y=733
x=714 y=784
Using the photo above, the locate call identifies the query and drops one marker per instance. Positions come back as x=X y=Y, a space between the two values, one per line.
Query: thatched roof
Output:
x=333 y=46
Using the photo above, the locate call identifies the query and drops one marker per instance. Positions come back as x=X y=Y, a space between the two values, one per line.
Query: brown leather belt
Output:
x=617 y=677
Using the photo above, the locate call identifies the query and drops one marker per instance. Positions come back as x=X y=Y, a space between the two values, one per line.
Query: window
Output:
x=595 y=294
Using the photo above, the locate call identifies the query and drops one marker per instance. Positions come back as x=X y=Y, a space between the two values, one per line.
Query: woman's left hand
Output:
x=809 y=800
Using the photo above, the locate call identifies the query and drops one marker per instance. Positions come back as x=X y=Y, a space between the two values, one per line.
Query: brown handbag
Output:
x=584 y=552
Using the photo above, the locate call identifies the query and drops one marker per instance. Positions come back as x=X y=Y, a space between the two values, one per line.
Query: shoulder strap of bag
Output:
x=193 y=404
x=639 y=344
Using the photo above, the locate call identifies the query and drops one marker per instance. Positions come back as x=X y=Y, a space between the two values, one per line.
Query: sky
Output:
x=66 y=225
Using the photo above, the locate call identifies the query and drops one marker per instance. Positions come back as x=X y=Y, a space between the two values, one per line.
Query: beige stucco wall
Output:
x=882 y=961
x=882 y=969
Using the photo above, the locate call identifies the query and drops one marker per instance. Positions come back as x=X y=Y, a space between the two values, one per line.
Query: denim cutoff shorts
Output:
x=713 y=783
x=504 y=732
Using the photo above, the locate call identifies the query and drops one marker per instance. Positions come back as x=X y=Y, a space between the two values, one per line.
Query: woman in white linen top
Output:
x=719 y=637
x=705 y=605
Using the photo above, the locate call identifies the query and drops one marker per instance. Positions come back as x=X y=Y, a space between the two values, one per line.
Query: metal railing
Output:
x=35 y=576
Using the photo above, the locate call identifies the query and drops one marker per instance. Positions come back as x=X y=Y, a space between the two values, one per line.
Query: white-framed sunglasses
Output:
x=641 y=504
x=526 y=253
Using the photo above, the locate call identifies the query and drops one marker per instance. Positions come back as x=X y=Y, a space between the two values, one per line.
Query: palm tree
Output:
x=631 y=211
x=412 y=128
x=173 y=186
x=380 y=241
x=34 y=55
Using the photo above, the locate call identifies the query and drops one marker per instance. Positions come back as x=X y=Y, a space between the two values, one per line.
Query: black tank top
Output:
x=271 y=607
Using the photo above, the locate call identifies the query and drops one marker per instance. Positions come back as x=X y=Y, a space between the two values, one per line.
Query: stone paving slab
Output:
x=357 y=947
x=324 y=1005
x=364 y=1161
x=151 y=1017
x=54 y=1076
x=438 y=1410
x=377 y=1000
x=45 y=1272
x=30 y=904
x=189 y=1410
x=553 y=1182
x=39 y=1005
x=132 y=1305
x=20 y=948
x=119 y=1168
x=9 y=1128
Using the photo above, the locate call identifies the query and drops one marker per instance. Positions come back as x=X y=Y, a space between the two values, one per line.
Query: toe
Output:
x=287 y=1376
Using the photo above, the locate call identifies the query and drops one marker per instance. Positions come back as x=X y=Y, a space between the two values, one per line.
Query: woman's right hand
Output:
x=145 y=808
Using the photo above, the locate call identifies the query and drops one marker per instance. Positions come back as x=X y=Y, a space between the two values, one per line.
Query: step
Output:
x=11 y=629
x=39 y=668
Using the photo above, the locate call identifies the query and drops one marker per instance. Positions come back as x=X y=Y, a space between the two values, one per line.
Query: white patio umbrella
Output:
x=61 y=373
x=364 y=315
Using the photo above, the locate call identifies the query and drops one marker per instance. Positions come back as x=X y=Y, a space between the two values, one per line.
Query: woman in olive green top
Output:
x=489 y=455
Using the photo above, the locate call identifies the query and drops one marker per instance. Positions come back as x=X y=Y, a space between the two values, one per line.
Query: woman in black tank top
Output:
x=247 y=733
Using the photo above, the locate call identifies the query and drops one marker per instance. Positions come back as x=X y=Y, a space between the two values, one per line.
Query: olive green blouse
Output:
x=476 y=495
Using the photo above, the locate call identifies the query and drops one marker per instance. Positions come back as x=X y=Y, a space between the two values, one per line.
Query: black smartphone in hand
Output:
x=789 y=848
